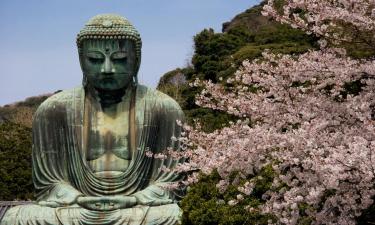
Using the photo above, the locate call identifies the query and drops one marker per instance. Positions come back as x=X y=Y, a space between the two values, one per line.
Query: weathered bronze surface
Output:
x=89 y=143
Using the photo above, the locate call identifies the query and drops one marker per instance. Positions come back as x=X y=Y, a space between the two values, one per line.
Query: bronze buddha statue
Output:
x=90 y=142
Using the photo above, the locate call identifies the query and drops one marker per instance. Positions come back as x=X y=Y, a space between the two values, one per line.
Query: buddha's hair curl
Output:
x=110 y=26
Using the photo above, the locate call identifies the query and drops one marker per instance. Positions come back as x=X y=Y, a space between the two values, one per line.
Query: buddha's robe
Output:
x=59 y=163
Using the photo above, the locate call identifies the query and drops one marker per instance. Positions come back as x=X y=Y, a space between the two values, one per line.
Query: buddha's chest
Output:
x=108 y=144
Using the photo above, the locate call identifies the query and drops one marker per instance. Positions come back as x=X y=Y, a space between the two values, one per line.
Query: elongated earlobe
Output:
x=84 y=80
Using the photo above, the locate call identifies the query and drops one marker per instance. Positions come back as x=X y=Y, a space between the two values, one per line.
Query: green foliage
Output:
x=352 y=88
x=212 y=48
x=33 y=102
x=15 y=149
x=359 y=51
x=218 y=55
x=305 y=219
x=167 y=77
x=368 y=216
x=215 y=53
x=22 y=112
x=209 y=119
x=252 y=51
x=15 y=161
x=205 y=204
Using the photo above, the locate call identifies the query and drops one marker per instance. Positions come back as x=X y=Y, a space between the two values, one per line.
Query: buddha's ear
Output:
x=84 y=78
x=137 y=65
x=135 y=79
x=80 y=54
x=80 y=61
x=80 y=57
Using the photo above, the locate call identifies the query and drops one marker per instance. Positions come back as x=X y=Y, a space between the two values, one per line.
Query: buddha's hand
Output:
x=61 y=195
x=145 y=200
x=106 y=203
x=153 y=196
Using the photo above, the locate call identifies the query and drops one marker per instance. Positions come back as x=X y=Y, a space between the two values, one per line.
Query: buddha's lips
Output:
x=107 y=79
x=113 y=76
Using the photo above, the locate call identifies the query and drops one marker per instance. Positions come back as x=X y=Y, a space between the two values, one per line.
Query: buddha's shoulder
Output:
x=62 y=99
x=157 y=98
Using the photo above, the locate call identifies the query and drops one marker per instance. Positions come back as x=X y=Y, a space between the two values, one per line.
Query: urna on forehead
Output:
x=110 y=26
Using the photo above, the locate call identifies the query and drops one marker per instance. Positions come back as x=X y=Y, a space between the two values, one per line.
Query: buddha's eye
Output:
x=95 y=57
x=119 y=56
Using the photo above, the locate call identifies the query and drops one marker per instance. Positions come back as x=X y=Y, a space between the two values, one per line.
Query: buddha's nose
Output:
x=108 y=67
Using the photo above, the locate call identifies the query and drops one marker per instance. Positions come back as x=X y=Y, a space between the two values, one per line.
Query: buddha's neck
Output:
x=106 y=98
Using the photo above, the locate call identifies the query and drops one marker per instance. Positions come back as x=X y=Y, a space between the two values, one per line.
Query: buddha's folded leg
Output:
x=131 y=216
x=163 y=215
x=30 y=215
x=140 y=215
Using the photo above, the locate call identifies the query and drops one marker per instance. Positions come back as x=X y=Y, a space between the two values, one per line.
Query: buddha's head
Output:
x=109 y=52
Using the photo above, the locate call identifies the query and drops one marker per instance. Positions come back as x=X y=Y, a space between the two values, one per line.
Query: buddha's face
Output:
x=108 y=64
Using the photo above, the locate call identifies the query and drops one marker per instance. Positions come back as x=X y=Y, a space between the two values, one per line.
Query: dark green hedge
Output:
x=15 y=162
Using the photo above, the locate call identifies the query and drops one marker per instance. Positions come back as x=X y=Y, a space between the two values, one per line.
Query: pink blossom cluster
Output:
x=326 y=18
x=323 y=142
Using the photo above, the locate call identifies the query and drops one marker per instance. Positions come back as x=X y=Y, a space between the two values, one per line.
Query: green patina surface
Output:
x=89 y=143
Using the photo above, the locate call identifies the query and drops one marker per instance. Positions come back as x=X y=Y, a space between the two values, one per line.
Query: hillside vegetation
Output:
x=218 y=55
x=21 y=113
x=15 y=160
x=15 y=149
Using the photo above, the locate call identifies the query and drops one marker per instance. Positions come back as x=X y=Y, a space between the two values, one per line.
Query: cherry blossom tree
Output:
x=301 y=115
x=336 y=20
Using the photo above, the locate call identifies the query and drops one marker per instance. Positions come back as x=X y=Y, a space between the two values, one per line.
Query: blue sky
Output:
x=37 y=38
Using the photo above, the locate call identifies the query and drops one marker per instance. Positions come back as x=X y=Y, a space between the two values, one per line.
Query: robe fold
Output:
x=60 y=166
